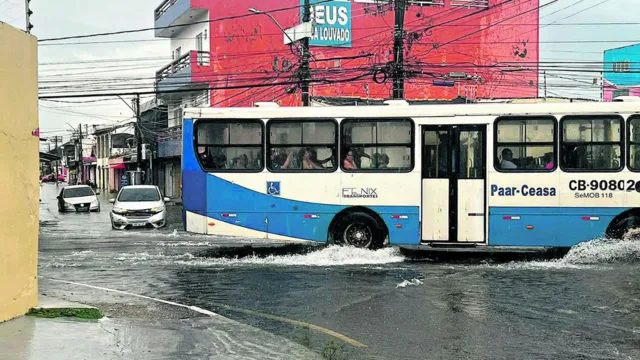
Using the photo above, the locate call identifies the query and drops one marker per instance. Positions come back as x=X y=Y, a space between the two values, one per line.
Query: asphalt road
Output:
x=347 y=303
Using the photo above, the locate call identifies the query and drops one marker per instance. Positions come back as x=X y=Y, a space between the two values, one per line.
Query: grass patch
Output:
x=80 y=313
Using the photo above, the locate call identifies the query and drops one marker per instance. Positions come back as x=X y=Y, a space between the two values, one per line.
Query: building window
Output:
x=177 y=53
x=234 y=146
x=377 y=145
x=302 y=145
x=617 y=93
x=591 y=143
x=622 y=66
x=199 y=48
x=525 y=144
x=634 y=143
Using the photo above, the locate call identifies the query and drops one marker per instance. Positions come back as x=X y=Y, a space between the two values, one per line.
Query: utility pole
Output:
x=398 y=50
x=28 y=12
x=306 y=56
x=138 y=136
x=545 y=84
x=55 y=138
x=80 y=162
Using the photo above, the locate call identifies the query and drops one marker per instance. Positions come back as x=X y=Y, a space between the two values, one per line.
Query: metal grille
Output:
x=471 y=3
x=426 y=2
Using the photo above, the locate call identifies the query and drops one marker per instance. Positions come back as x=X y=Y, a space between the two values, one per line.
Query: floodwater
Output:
x=583 y=306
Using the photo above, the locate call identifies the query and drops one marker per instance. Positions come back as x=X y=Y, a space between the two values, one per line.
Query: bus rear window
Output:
x=525 y=144
x=377 y=145
x=591 y=143
x=302 y=145
x=229 y=145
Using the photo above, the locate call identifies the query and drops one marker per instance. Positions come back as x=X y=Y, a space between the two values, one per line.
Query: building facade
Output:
x=103 y=152
x=19 y=191
x=621 y=72
x=452 y=48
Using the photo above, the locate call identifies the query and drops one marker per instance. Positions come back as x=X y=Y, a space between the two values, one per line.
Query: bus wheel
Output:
x=359 y=230
x=626 y=227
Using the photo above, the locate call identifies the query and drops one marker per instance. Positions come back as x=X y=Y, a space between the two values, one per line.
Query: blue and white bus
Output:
x=526 y=175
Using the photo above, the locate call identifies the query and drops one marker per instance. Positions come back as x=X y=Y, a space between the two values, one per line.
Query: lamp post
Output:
x=306 y=55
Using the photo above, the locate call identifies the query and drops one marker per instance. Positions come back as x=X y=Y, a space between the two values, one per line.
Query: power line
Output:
x=172 y=26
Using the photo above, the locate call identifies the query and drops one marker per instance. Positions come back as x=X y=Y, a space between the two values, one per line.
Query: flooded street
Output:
x=346 y=303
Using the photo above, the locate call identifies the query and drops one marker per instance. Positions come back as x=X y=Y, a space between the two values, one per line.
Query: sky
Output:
x=56 y=18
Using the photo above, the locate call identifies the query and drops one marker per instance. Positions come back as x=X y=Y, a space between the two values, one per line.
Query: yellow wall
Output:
x=19 y=187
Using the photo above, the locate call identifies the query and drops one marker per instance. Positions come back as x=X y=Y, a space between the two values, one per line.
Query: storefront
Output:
x=117 y=171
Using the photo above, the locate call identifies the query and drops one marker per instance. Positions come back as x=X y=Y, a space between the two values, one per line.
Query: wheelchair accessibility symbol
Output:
x=273 y=188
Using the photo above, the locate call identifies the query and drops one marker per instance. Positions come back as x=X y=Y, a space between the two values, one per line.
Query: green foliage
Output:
x=80 y=313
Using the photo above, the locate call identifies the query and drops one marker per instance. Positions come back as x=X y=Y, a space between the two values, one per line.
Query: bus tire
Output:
x=360 y=230
x=625 y=226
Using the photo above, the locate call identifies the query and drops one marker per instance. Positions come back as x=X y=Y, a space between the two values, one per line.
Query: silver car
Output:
x=138 y=206
x=78 y=198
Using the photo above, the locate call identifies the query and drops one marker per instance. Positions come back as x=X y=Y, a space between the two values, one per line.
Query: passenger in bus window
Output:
x=282 y=160
x=636 y=160
x=219 y=161
x=310 y=160
x=548 y=161
x=381 y=161
x=240 y=162
x=358 y=154
x=507 y=157
x=205 y=159
x=349 y=163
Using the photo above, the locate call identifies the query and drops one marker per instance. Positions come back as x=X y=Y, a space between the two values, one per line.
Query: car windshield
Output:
x=78 y=192
x=131 y=195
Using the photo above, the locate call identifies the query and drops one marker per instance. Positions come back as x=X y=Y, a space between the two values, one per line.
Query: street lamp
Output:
x=306 y=54
x=258 y=12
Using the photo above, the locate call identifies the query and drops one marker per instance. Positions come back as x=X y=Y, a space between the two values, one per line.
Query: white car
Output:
x=78 y=198
x=138 y=206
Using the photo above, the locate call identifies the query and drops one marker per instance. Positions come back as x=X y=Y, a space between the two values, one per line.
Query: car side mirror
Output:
x=166 y=199
x=112 y=200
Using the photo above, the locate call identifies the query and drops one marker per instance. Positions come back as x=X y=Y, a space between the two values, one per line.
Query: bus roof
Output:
x=415 y=111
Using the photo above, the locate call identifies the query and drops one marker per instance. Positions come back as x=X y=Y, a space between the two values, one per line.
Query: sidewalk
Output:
x=198 y=337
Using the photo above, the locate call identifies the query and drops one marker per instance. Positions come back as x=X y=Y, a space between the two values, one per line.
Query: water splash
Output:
x=412 y=282
x=603 y=251
x=329 y=256
x=150 y=257
x=186 y=244
x=594 y=254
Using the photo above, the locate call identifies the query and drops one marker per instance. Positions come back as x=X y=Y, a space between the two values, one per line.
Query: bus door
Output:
x=453 y=183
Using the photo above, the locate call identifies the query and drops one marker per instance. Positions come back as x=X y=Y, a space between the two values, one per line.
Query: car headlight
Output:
x=157 y=210
x=119 y=210
x=95 y=203
x=68 y=204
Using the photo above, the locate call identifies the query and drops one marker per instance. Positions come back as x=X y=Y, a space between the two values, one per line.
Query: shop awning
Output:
x=117 y=166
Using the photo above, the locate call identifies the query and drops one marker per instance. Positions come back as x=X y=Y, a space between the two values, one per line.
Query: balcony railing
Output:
x=166 y=5
x=426 y=2
x=471 y=3
x=192 y=58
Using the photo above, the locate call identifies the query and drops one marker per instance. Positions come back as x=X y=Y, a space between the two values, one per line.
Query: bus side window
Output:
x=634 y=142
x=227 y=145
x=592 y=143
x=381 y=145
x=305 y=145
x=525 y=144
